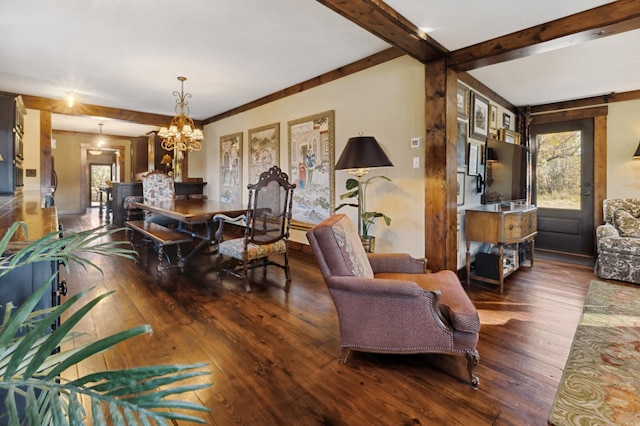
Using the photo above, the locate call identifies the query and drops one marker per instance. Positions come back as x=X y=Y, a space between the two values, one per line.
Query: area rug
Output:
x=601 y=380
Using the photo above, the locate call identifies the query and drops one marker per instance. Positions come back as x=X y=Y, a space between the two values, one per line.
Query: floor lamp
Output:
x=361 y=154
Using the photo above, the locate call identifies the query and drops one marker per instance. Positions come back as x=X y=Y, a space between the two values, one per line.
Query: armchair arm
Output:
x=606 y=230
x=396 y=262
x=221 y=219
x=374 y=286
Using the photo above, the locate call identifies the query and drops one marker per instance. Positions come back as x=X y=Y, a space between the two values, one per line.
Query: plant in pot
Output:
x=367 y=218
x=33 y=355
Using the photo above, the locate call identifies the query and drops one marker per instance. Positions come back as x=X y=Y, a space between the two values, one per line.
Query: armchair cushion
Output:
x=235 y=248
x=620 y=245
x=627 y=224
x=348 y=247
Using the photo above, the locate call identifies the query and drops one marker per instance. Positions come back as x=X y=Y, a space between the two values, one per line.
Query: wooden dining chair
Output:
x=158 y=186
x=266 y=228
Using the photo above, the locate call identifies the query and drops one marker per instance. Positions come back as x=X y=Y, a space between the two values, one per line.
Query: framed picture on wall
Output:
x=231 y=168
x=479 y=119
x=506 y=121
x=474 y=159
x=493 y=117
x=311 y=159
x=264 y=149
x=461 y=147
x=460 y=188
x=462 y=101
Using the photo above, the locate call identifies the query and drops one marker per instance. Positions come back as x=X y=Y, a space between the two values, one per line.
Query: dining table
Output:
x=189 y=212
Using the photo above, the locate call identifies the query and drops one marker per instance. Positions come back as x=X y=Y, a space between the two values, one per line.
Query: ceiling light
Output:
x=100 y=138
x=70 y=100
x=182 y=133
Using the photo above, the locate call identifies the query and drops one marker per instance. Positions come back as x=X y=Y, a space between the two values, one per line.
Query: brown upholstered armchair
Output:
x=388 y=303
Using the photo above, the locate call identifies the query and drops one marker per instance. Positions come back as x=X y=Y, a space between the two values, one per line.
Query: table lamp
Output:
x=166 y=160
x=360 y=154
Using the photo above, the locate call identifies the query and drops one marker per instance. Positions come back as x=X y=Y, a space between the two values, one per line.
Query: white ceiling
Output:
x=127 y=54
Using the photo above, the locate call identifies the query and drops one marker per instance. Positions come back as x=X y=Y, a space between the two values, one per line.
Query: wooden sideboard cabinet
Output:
x=501 y=225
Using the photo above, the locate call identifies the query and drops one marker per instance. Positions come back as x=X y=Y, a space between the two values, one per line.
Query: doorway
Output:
x=563 y=180
x=99 y=175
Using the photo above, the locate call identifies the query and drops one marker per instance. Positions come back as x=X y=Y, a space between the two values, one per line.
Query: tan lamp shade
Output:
x=166 y=159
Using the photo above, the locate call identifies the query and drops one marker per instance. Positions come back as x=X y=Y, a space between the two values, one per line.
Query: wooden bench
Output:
x=162 y=236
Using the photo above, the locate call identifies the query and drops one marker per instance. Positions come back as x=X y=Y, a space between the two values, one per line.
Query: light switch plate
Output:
x=416 y=162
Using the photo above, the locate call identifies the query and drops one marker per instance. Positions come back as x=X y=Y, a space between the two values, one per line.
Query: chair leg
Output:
x=179 y=256
x=160 y=255
x=245 y=276
x=473 y=358
x=344 y=354
x=219 y=259
x=287 y=273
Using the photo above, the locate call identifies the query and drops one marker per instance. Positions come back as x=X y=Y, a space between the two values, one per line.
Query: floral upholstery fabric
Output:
x=157 y=187
x=129 y=202
x=626 y=224
x=235 y=249
x=618 y=241
x=197 y=197
x=351 y=249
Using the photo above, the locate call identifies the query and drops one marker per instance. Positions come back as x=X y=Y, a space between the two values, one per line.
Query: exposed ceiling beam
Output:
x=93 y=135
x=60 y=107
x=603 y=21
x=383 y=21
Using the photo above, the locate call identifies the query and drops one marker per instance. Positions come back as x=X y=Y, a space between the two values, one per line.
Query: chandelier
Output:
x=181 y=134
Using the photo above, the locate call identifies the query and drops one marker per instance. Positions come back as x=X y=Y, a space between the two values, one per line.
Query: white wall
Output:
x=385 y=101
x=623 y=136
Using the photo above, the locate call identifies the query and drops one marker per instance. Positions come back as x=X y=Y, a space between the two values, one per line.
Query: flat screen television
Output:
x=505 y=172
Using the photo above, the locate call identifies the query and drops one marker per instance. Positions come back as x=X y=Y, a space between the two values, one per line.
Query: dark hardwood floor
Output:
x=273 y=355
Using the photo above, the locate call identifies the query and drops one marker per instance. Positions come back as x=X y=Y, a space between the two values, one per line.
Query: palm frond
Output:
x=31 y=362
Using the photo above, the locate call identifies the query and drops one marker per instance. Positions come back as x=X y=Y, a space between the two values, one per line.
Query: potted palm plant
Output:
x=32 y=356
x=367 y=218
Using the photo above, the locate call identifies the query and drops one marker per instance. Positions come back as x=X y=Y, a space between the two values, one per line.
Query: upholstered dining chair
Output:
x=388 y=303
x=158 y=186
x=129 y=206
x=266 y=228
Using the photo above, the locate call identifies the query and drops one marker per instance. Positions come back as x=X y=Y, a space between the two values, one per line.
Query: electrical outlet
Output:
x=416 y=162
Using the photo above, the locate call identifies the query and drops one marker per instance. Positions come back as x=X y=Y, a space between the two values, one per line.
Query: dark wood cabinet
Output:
x=11 y=145
x=121 y=190
x=139 y=157
x=17 y=285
